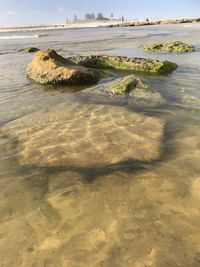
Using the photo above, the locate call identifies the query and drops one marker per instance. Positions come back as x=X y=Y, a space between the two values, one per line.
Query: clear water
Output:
x=130 y=214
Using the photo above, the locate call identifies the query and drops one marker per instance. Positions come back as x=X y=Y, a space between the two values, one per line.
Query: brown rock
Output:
x=47 y=67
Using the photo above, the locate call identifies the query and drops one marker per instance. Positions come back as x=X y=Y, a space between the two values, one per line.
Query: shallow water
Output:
x=93 y=211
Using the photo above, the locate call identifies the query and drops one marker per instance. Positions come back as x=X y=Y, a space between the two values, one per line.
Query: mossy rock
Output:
x=145 y=65
x=48 y=67
x=126 y=85
x=173 y=47
x=29 y=50
x=134 y=87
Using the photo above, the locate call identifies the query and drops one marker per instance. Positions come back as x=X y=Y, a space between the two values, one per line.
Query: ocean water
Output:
x=102 y=205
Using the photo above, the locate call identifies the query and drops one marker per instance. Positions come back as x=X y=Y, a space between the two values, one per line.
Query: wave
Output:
x=7 y=37
x=18 y=37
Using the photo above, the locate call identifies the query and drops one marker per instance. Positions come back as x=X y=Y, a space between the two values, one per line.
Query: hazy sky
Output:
x=14 y=12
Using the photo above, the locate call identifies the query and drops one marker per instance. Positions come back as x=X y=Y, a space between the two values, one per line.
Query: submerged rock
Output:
x=124 y=63
x=136 y=88
x=29 y=50
x=86 y=135
x=173 y=47
x=47 y=67
x=126 y=85
x=147 y=94
x=139 y=97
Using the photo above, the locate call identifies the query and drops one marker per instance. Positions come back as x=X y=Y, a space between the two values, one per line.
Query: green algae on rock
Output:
x=145 y=65
x=173 y=47
x=48 y=67
x=136 y=88
x=29 y=49
x=126 y=85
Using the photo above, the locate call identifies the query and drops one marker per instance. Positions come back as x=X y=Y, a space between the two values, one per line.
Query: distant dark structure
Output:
x=89 y=16
x=75 y=18
x=100 y=16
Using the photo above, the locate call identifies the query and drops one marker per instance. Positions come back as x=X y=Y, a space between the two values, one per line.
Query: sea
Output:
x=123 y=214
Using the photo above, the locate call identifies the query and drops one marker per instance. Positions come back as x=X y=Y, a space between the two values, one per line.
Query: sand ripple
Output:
x=81 y=135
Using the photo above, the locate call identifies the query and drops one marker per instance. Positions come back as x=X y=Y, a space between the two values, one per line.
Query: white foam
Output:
x=7 y=37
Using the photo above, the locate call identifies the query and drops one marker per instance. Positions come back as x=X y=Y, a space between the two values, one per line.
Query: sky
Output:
x=25 y=12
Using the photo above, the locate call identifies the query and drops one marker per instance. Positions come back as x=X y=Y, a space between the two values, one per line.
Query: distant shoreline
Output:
x=155 y=22
x=58 y=26
x=110 y=24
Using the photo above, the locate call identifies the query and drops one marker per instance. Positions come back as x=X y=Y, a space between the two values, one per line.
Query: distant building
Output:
x=75 y=18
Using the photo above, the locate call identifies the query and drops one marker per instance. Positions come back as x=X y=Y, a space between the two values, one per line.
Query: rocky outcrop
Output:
x=155 y=22
x=124 y=63
x=47 y=67
x=173 y=47
x=89 y=135
x=178 y=21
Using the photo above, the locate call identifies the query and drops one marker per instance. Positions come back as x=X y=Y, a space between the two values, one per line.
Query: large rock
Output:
x=124 y=63
x=173 y=47
x=47 y=67
x=73 y=134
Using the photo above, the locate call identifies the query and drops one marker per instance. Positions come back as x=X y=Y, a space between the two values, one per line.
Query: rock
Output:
x=47 y=67
x=136 y=88
x=155 y=22
x=125 y=63
x=140 y=96
x=29 y=50
x=177 y=21
x=86 y=135
x=126 y=85
x=173 y=47
x=146 y=23
x=170 y=21
x=147 y=94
